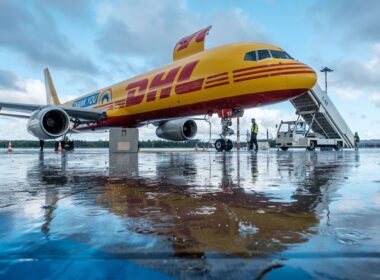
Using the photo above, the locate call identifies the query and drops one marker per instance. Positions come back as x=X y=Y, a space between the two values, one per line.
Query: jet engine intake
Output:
x=49 y=123
x=177 y=130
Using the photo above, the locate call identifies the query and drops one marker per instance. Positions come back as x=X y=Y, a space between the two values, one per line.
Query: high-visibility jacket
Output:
x=255 y=128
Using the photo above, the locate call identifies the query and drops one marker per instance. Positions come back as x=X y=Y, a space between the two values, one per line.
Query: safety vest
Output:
x=255 y=128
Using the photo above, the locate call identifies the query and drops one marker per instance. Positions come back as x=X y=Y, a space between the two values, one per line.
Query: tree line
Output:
x=105 y=144
x=148 y=144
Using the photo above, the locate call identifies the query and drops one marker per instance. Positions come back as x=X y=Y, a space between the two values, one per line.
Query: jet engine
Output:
x=49 y=123
x=177 y=130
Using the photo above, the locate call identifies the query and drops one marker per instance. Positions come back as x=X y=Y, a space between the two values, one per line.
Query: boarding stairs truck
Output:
x=319 y=124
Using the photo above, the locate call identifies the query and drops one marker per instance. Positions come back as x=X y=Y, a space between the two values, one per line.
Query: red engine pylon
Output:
x=9 y=147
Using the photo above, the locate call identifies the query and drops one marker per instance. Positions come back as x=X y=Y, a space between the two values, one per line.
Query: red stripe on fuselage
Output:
x=216 y=85
x=270 y=70
x=217 y=75
x=274 y=74
x=217 y=80
x=266 y=66
x=243 y=101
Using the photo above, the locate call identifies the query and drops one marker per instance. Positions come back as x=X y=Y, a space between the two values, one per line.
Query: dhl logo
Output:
x=162 y=84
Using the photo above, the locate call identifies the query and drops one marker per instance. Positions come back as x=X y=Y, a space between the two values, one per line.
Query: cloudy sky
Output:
x=90 y=44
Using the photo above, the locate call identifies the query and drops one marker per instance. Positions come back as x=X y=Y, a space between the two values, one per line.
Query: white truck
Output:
x=296 y=134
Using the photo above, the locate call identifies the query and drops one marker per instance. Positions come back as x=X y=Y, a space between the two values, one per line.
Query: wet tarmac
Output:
x=274 y=215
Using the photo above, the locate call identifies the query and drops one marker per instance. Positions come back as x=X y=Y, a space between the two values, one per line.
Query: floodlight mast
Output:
x=325 y=70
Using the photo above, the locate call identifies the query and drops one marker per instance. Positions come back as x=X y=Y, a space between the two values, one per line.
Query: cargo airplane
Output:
x=223 y=80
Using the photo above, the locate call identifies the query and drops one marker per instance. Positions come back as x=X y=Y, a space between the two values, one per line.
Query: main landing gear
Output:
x=223 y=145
x=226 y=115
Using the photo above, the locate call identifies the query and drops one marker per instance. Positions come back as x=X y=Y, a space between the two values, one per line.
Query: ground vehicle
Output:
x=297 y=134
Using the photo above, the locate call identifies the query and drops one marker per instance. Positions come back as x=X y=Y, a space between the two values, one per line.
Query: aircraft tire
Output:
x=229 y=145
x=220 y=145
x=284 y=148
x=338 y=146
x=312 y=146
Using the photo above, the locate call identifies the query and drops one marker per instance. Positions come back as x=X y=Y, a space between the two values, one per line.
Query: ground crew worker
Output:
x=356 y=141
x=254 y=131
x=42 y=143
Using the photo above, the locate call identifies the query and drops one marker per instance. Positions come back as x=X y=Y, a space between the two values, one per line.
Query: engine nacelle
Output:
x=49 y=123
x=177 y=130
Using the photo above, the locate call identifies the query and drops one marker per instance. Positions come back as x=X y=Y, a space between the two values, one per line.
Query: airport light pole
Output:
x=325 y=70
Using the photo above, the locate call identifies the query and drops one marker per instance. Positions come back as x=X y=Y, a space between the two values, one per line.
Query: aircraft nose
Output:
x=303 y=78
x=310 y=78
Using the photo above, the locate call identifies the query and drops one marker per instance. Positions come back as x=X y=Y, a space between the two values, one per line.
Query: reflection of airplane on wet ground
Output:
x=229 y=216
x=224 y=80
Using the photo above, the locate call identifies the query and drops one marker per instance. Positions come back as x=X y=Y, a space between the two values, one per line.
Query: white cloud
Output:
x=347 y=93
x=356 y=78
x=151 y=31
x=233 y=25
x=375 y=98
x=33 y=93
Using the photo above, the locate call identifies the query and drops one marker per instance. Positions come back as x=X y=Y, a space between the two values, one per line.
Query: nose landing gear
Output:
x=226 y=115
x=223 y=145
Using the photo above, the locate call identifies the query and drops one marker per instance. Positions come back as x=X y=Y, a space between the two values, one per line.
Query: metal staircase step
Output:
x=318 y=111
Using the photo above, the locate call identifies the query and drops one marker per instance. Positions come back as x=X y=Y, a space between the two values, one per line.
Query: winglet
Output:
x=51 y=94
x=190 y=44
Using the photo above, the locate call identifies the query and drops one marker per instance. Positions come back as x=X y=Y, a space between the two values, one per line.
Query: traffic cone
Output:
x=9 y=147
x=59 y=147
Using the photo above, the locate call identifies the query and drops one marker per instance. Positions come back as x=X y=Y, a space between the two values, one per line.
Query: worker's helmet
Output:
x=253 y=119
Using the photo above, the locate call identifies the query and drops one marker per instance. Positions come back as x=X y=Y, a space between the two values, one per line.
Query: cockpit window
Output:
x=263 y=54
x=250 y=56
x=280 y=54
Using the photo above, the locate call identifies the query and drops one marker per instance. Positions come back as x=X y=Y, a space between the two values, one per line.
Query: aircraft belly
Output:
x=248 y=100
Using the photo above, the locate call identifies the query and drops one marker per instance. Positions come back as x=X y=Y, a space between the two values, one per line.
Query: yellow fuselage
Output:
x=202 y=83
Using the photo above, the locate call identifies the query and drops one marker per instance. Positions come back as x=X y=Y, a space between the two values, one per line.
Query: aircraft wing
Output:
x=28 y=108
x=88 y=114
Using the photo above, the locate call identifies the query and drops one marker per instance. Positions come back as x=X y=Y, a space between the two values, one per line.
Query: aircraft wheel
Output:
x=284 y=148
x=220 y=145
x=312 y=146
x=229 y=145
x=338 y=146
